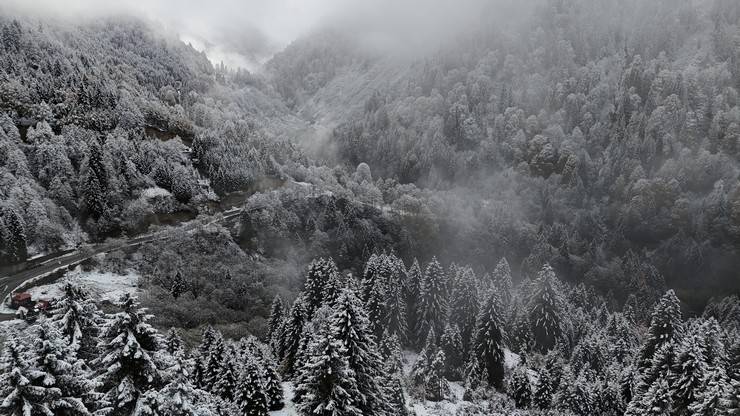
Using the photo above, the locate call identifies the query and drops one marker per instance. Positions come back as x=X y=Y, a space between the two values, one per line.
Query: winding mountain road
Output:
x=50 y=263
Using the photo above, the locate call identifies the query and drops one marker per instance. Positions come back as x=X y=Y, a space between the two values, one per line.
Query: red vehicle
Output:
x=21 y=299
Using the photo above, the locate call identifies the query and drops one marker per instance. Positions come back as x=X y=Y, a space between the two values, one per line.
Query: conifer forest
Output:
x=384 y=208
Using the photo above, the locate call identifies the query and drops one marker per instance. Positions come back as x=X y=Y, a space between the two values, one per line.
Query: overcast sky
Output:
x=240 y=32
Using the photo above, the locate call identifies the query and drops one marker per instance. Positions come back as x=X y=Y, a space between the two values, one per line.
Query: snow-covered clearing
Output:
x=101 y=285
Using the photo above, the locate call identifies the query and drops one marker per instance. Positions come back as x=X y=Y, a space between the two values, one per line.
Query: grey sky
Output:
x=242 y=32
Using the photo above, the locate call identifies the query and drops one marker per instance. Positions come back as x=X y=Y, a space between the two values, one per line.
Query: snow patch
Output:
x=103 y=286
x=154 y=192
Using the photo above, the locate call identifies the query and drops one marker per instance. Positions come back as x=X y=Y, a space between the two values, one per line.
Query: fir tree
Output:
x=214 y=362
x=502 y=281
x=178 y=286
x=16 y=245
x=292 y=336
x=76 y=316
x=20 y=391
x=174 y=344
x=464 y=306
x=370 y=276
x=250 y=396
x=271 y=386
x=655 y=402
x=349 y=325
x=413 y=291
x=711 y=400
x=61 y=373
x=396 y=318
x=225 y=385
x=277 y=314
x=488 y=342
x=665 y=325
x=548 y=381
x=575 y=395
x=451 y=344
x=432 y=306
x=208 y=337
x=688 y=373
x=127 y=364
x=319 y=273
x=520 y=388
x=436 y=387
x=376 y=308
x=546 y=310
x=423 y=362
x=328 y=386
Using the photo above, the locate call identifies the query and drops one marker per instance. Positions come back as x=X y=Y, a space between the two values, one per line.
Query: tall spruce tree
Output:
x=433 y=303
x=76 y=316
x=277 y=314
x=349 y=326
x=546 y=310
x=665 y=326
x=487 y=347
x=464 y=306
x=16 y=245
x=413 y=291
x=292 y=334
x=502 y=281
x=250 y=396
x=319 y=273
x=128 y=365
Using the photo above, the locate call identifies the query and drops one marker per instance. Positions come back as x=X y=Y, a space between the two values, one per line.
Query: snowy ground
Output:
x=102 y=286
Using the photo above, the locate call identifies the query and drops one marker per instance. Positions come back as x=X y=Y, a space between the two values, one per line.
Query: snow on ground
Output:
x=289 y=409
x=154 y=192
x=101 y=285
x=511 y=360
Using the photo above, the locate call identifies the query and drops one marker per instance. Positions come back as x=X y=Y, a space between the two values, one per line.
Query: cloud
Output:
x=247 y=32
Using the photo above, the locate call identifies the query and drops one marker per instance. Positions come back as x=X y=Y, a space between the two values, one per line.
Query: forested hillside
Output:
x=537 y=215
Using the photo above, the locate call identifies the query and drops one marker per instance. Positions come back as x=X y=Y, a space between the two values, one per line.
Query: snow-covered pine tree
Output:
x=328 y=387
x=390 y=351
x=575 y=394
x=292 y=334
x=432 y=303
x=250 y=395
x=665 y=326
x=546 y=310
x=59 y=370
x=370 y=275
x=271 y=386
x=376 y=308
x=397 y=321
x=349 y=325
x=655 y=402
x=520 y=388
x=413 y=288
x=487 y=345
x=16 y=247
x=127 y=365
x=712 y=399
x=178 y=285
x=76 y=316
x=214 y=361
x=319 y=273
x=274 y=325
x=688 y=373
x=20 y=391
x=502 y=281
x=173 y=343
x=548 y=381
x=451 y=344
x=200 y=370
x=464 y=306
x=225 y=384
x=436 y=387
x=423 y=362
